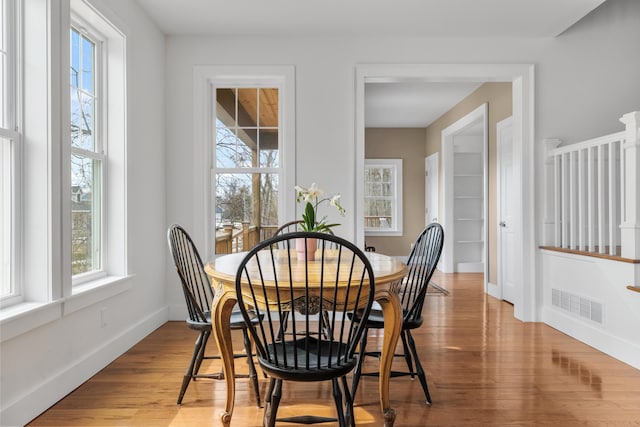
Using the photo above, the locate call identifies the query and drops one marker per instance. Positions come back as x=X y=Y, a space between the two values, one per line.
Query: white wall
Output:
x=39 y=367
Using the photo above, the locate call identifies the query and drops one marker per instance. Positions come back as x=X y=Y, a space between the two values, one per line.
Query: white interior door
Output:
x=507 y=276
x=432 y=171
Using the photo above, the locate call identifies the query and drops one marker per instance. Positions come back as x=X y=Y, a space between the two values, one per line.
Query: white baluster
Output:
x=557 y=171
x=582 y=200
x=591 y=199
x=602 y=200
x=573 y=195
x=613 y=198
x=566 y=196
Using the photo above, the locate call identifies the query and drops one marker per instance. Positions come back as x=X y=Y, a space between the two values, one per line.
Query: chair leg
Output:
x=188 y=375
x=348 y=417
x=419 y=370
x=407 y=353
x=200 y=358
x=271 y=407
x=252 y=368
x=337 y=397
x=267 y=402
x=358 y=370
x=284 y=320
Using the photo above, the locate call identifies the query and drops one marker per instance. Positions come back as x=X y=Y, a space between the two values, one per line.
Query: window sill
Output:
x=24 y=317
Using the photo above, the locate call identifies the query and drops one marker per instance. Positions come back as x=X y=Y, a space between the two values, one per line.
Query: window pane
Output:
x=231 y=150
x=75 y=58
x=87 y=122
x=226 y=107
x=268 y=108
x=85 y=218
x=6 y=287
x=83 y=100
x=248 y=107
x=87 y=53
x=269 y=154
x=249 y=200
x=82 y=122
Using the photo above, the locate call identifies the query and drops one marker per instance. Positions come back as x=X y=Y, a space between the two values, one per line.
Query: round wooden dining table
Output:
x=388 y=272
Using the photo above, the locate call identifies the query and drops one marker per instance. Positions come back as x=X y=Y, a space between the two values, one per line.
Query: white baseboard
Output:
x=593 y=336
x=494 y=290
x=36 y=401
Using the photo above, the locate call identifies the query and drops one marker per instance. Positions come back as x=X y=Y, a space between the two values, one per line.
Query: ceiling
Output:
x=400 y=104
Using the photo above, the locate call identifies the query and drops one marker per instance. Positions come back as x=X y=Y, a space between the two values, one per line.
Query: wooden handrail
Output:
x=634 y=288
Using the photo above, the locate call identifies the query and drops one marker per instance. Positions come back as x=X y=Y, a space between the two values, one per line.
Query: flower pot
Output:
x=310 y=249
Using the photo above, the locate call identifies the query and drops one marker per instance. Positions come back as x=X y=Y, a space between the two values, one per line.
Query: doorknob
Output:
x=502 y=224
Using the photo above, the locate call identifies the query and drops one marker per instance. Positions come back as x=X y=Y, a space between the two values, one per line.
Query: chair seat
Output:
x=236 y=322
x=321 y=354
x=376 y=320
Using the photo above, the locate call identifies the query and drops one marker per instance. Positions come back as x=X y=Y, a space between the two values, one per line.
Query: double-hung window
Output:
x=87 y=152
x=95 y=187
x=383 y=197
x=248 y=145
x=10 y=138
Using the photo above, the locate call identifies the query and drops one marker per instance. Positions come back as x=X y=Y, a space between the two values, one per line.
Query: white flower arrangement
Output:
x=313 y=198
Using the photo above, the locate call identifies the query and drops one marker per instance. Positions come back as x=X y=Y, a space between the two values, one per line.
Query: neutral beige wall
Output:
x=498 y=96
x=406 y=144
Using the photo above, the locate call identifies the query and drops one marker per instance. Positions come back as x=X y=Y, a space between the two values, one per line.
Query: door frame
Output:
x=522 y=78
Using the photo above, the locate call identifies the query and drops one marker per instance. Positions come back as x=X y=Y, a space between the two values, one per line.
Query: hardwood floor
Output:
x=484 y=368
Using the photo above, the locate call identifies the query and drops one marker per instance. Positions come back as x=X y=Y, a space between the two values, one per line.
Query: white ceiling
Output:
x=409 y=104
x=475 y=18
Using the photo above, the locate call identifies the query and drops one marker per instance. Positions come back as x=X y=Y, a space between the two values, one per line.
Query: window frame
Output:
x=11 y=130
x=396 y=228
x=100 y=147
x=87 y=288
x=206 y=79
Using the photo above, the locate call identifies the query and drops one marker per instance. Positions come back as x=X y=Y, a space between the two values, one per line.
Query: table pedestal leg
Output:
x=392 y=325
x=222 y=333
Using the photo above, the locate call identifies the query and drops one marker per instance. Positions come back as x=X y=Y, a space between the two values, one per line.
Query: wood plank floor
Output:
x=484 y=368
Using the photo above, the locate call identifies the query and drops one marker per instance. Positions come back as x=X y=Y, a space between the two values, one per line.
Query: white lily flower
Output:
x=313 y=198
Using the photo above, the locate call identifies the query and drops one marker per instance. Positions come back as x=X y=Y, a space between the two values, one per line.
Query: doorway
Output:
x=465 y=171
x=521 y=77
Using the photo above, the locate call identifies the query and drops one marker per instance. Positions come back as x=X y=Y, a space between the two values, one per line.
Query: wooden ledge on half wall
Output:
x=594 y=254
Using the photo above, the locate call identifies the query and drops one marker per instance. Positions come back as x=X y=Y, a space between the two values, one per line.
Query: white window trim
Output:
x=206 y=78
x=13 y=133
x=396 y=227
x=101 y=27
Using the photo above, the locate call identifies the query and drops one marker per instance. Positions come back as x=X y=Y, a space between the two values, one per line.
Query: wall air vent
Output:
x=577 y=305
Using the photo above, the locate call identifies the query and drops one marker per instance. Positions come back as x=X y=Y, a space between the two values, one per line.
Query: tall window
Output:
x=87 y=154
x=9 y=140
x=383 y=197
x=247 y=166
